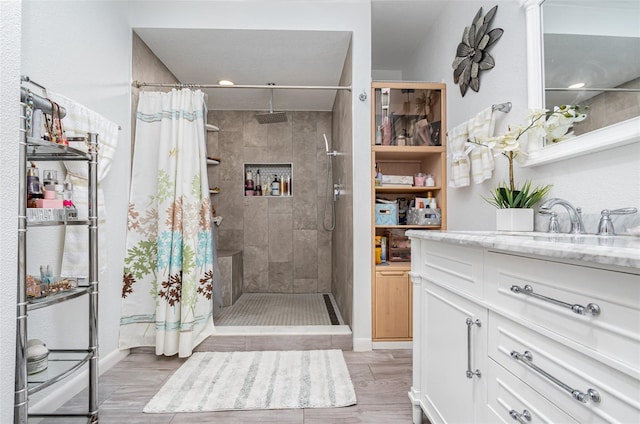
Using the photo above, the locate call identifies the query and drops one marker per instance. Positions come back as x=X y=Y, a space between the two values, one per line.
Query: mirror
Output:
x=596 y=43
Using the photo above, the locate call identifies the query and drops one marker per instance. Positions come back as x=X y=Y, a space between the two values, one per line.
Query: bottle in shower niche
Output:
x=248 y=184
x=275 y=186
x=287 y=186
x=258 y=189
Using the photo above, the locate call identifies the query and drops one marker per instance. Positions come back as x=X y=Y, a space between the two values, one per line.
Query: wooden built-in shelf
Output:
x=405 y=189
x=408 y=227
x=403 y=109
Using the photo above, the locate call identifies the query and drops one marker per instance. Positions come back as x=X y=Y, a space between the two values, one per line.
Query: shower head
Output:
x=271 y=117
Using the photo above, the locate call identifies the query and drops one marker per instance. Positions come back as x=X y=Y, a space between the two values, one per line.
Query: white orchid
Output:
x=558 y=123
x=554 y=125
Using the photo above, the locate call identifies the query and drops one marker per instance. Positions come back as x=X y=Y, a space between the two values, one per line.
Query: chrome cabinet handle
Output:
x=471 y=323
x=591 y=308
x=527 y=359
x=523 y=418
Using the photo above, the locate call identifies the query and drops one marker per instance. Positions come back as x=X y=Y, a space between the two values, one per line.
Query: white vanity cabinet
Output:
x=558 y=341
x=453 y=334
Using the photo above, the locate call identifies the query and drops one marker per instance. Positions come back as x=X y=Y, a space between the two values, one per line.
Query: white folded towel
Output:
x=481 y=127
x=80 y=120
x=459 y=156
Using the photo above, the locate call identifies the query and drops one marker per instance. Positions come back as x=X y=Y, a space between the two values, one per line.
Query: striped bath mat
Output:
x=217 y=381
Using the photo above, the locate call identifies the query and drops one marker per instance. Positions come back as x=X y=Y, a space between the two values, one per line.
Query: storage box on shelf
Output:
x=408 y=122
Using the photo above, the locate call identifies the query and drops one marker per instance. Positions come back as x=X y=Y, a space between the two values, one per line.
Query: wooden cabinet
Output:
x=408 y=138
x=392 y=300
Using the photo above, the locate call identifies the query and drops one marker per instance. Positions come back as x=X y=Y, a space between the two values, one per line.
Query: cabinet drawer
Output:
x=619 y=392
x=453 y=266
x=614 y=332
x=506 y=393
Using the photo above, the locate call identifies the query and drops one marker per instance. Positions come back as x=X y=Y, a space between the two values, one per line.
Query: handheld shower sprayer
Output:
x=326 y=147
x=332 y=194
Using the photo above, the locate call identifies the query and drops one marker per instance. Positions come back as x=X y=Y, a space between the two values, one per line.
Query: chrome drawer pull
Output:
x=523 y=418
x=470 y=324
x=527 y=359
x=591 y=308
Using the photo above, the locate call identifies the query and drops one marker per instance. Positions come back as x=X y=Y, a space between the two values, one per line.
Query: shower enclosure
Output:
x=286 y=253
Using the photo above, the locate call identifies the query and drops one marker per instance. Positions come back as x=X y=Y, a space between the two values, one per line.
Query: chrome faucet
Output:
x=577 y=227
x=605 y=226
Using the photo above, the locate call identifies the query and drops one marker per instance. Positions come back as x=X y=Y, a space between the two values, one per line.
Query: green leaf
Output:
x=503 y=197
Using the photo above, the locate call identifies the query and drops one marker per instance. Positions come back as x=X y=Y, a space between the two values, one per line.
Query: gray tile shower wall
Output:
x=285 y=249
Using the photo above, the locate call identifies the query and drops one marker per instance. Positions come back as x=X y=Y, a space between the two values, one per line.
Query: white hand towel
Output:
x=459 y=159
x=481 y=127
x=80 y=120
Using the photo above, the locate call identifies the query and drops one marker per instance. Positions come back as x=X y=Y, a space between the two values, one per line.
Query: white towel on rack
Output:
x=481 y=128
x=459 y=156
x=79 y=121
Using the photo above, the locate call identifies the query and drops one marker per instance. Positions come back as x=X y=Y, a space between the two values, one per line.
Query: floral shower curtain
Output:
x=168 y=272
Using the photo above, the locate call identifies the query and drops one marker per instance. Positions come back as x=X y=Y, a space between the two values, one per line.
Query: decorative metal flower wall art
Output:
x=472 y=55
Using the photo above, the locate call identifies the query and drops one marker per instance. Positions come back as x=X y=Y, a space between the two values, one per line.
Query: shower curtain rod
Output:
x=142 y=84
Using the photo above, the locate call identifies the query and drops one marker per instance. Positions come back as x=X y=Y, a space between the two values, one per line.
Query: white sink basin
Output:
x=625 y=241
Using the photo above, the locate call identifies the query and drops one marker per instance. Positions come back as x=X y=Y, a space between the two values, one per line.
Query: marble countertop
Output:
x=621 y=251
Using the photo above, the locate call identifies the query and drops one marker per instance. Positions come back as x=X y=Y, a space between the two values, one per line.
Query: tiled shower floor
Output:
x=269 y=309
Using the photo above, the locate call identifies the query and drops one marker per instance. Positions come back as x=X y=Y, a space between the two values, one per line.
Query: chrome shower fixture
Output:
x=271 y=117
x=326 y=147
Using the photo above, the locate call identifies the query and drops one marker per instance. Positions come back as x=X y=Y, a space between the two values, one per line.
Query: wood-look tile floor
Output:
x=381 y=379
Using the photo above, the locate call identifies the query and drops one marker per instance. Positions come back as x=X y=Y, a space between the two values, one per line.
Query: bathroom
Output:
x=96 y=69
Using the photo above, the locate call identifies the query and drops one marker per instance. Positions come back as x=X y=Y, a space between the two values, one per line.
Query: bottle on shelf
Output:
x=378 y=135
x=275 y=186
x=431 y=201
x=34 y=189
x=248 y=184
x=430 y=182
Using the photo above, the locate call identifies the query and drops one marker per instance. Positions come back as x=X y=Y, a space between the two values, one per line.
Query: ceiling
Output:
x=250 y=57
x=317 y=57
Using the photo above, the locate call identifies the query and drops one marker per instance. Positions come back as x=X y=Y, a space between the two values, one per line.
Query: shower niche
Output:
x=268 y=179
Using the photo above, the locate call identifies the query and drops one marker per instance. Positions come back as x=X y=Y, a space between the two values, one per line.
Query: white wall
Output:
x=9 y=136
x=596 y=181
x=87 y=58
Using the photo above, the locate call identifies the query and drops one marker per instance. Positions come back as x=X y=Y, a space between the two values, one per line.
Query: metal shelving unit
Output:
x=61 y=362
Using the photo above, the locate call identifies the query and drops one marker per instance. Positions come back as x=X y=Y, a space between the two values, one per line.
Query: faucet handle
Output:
x=605 y=226
x=623 y=211
x=554 y=227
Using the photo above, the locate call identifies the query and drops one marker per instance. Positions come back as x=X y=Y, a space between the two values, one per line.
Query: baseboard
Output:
x=66 y=390
x=362 y=345
x=392 y=345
